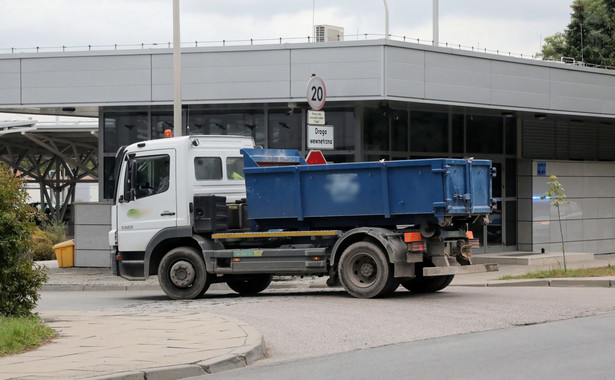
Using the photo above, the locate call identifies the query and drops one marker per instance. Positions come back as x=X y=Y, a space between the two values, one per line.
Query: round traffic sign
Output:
x=316 y=93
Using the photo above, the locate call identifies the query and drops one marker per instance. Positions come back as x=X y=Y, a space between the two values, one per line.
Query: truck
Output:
x=197 y=210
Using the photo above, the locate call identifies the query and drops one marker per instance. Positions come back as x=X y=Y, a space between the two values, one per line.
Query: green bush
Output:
x=56 y=231
x=42 y=246
x=20 y=277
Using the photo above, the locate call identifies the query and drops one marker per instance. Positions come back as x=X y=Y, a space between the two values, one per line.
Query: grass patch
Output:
x=560 y=273
x=18 y=334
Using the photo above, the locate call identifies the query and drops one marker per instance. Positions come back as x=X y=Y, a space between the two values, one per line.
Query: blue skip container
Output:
x=284 y=192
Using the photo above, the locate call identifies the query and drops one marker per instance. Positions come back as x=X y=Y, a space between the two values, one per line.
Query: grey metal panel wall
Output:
x=351 y=70
x=457 y=78
x=582 y=91
x=519 y=85
x=10 y=86
x=405 y=72
x=254 y=75
x=347 y=71
x=86 y=79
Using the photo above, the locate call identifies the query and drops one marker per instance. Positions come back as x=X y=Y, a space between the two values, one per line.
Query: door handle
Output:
x=167 y=213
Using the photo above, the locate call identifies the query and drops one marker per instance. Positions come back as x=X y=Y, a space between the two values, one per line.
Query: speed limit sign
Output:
x=316 y=93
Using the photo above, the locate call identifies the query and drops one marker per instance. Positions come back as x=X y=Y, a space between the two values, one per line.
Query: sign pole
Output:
x=177 y=76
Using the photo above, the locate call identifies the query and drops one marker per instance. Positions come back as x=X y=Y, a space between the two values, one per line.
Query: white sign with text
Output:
x=320 y=137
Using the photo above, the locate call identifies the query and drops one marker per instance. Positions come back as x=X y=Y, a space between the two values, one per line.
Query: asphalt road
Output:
x=579 y=348
x=308 y=323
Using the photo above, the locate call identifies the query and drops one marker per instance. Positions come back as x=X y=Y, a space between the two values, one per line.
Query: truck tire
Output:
x=365 y=272
x=182 y=274
x=428 y=284
x=253 y=285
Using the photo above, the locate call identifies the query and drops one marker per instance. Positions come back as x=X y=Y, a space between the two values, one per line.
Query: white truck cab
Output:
x=158 y=179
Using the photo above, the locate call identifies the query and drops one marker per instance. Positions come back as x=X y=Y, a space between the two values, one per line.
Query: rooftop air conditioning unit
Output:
x=328 y=33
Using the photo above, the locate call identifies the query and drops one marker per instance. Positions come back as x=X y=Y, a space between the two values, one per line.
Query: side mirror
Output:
x=129 y=181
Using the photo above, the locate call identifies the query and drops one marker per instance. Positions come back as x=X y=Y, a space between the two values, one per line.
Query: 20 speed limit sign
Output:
x=316 y=93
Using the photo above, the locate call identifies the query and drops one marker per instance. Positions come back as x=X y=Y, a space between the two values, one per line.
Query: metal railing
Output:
x=286 y=40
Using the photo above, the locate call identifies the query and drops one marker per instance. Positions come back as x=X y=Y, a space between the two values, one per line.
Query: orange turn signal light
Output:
x=409 y=237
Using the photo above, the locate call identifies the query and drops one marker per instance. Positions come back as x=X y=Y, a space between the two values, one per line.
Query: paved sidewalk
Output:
x=108 y=345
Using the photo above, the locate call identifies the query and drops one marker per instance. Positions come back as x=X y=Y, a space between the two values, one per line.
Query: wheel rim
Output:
x=362 y=270
x=182 y=274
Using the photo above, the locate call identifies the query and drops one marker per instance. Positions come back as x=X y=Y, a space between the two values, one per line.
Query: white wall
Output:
x=588 y=222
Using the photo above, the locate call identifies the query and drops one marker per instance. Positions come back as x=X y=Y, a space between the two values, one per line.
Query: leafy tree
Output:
x=554 y=47
x=20 y=278
x=590 y=36
x=557 y=197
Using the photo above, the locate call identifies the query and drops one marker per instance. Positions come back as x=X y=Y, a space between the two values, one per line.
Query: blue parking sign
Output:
x=541 y=168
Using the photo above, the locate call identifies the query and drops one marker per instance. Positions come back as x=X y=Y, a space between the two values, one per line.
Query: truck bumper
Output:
x=132 y=270
x=459 y=269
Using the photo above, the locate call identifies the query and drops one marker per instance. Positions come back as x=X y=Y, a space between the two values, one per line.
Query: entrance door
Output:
x=154 y=205
x=501 y=233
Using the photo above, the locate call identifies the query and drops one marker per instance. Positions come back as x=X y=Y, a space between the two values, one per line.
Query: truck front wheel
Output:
x=252 y=285
x=182 y=274
x=365 y=272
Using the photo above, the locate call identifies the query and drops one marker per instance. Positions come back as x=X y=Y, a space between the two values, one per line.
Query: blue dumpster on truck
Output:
x=283 y=191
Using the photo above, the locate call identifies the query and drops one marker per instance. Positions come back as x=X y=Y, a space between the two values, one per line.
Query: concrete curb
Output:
x=555 y=282
x=559 y=282
x=96 y=287
x=251 y=351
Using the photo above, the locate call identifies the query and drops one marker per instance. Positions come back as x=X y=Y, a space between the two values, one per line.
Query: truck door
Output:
x=148 y=203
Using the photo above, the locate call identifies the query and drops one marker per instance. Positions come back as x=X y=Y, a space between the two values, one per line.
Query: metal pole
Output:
x=436 y=37
x=177 y=77
x=313 y=17
x=386 y=19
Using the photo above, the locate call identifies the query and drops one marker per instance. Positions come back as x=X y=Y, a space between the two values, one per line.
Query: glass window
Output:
x=511 y=177
x=428 y=132
x=152 y=175
x=284 y=130
x=484 y=134
x=249 y=123
x=124 y=129
x=458 y=133
x=510 y=127
x=338 y=158
x=399 y=131
x=108 y=180
x=160 y=122
x=234 y=168
x=376 y=129
x=344 y=124
x=208 y=168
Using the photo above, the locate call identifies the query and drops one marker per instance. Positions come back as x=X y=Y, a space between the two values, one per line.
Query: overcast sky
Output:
x=506 y=25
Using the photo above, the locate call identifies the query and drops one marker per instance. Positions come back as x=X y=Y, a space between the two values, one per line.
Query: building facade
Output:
x=385 y=100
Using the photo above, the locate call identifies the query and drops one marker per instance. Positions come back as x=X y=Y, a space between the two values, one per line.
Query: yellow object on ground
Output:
x=65 y=253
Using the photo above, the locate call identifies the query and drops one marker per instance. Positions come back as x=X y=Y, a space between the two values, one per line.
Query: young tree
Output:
x=20 y=278
x=557 y=197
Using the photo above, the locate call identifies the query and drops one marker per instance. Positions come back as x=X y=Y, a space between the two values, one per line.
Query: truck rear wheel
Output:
x=428 y=284
x=252 y=285
x=182 y=274
x=365 y=272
